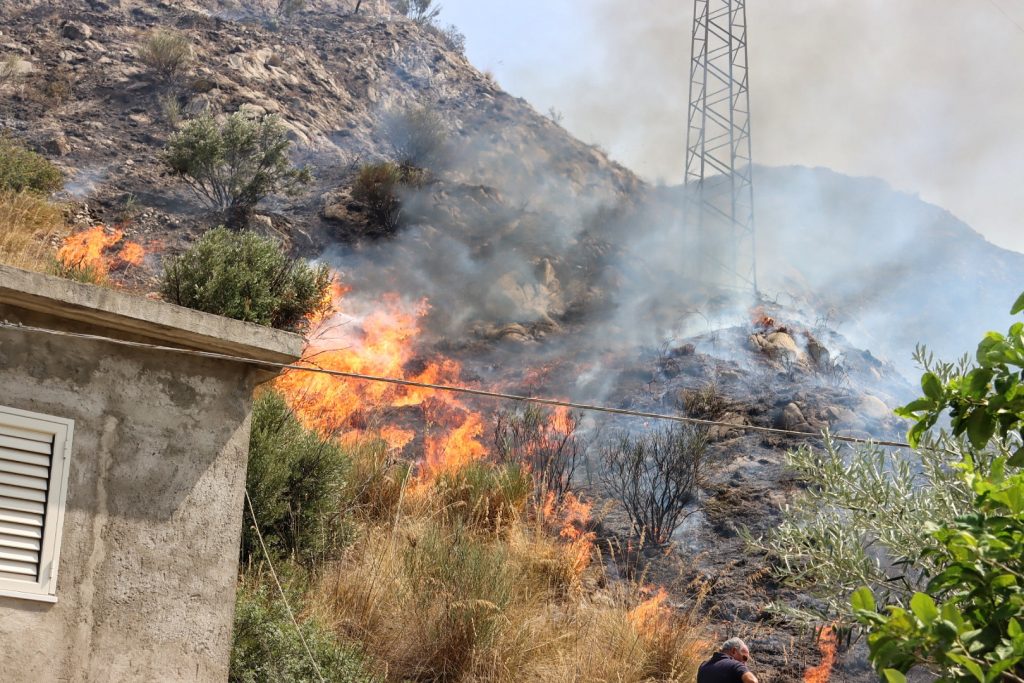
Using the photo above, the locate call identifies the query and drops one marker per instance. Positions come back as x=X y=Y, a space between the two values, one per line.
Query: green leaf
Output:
x=931 y=386
x=978 y=380
x=862 y=599
x=894 y=676
x=1018 y=306
x=1013 y=628
x=915 y=406
x=923 y=607
x=969 y=665
x=980 y=427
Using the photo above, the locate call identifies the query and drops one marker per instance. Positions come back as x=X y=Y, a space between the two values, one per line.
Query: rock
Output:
x=262 y=224
x=777 y=345
x=57 y=145
x=817 y=352
x=76 y=30
x=792 y=417
x=874 y=408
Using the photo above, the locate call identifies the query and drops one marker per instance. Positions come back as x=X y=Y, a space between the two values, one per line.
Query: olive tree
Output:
x=234 y=164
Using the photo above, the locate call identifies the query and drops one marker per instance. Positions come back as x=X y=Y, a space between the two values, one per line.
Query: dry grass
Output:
x=432 y=596
x=31 y=229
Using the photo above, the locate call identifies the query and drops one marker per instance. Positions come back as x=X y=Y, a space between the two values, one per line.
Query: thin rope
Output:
x=284 y=598
x=458 y=390
x=1007 y=15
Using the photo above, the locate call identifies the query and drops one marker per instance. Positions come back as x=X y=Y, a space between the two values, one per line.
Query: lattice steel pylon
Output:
x=719 y=175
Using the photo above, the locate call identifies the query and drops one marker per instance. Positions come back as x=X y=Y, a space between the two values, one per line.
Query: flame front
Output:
x=381 y=341
x=827 y=644
x=653 y=615
x=95 y=249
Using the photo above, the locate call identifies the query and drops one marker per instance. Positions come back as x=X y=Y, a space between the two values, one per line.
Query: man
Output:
x=729 y=665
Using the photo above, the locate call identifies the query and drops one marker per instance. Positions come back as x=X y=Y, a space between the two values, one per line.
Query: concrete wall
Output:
x=148 y=562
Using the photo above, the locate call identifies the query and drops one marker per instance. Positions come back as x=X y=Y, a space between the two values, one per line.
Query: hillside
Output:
x=525 y=262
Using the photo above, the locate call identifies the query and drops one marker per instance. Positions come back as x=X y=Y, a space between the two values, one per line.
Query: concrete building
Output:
x=122 y=472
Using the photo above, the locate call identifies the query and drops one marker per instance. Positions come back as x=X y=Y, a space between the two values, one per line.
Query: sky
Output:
x=926 y=94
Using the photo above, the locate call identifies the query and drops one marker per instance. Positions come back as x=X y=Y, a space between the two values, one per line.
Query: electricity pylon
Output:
x=719 y=177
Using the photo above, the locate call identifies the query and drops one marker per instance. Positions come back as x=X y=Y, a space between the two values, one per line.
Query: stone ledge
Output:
x=164 y=323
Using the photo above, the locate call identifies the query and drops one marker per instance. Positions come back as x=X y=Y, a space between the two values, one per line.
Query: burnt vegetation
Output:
x=656 y=475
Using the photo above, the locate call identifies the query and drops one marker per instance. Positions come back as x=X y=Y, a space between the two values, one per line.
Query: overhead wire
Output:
x=539 y=400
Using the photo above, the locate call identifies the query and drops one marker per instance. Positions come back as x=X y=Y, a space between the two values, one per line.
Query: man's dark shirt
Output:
x=721 y=668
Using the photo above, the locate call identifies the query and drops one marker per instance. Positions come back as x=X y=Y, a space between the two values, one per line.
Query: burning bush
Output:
x=545 y=442
x=418 y=135
x=235 y=165
x=655 y=476
x=296 y=482
x=22 y=170
x=247 y=277
x=90 y=255
x=166 y=54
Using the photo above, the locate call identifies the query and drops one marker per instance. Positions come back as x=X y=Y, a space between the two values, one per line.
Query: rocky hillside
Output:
x=548 y=267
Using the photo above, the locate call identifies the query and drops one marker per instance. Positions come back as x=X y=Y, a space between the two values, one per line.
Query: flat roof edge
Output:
x=163 y=322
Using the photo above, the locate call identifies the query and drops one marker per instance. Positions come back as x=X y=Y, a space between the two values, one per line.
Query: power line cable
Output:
x=456 y=389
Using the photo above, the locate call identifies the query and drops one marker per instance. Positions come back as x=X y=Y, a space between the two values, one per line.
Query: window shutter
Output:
x=33 y=482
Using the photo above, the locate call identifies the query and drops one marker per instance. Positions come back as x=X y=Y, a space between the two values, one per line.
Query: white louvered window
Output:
x=34 y=454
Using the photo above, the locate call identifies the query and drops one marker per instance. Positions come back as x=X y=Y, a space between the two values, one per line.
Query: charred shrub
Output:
x=246 y=277
x=22 y=170
x=232 y=166
x=417 y=135
x=706 y=402
x=379 y=187
x=545 y=442
x=655 y=475
x=166 y=55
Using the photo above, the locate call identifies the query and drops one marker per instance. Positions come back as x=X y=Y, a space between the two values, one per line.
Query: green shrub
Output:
x=967 y=624
x=24 y=170
x=418 y=136
x=232 y=166
x=420 y=11
x=11 y=70
x=266 y=648
x=246 y=277
x=166 y=54
x=295 y=480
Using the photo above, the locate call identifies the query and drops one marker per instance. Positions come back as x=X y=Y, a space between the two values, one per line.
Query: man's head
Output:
x=737 y=649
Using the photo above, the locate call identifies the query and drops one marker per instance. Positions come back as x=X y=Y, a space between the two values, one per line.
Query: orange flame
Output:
x=652 y=616
x=827 y=643
x=92 y=249
x=572 y=516
x=381 y=341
